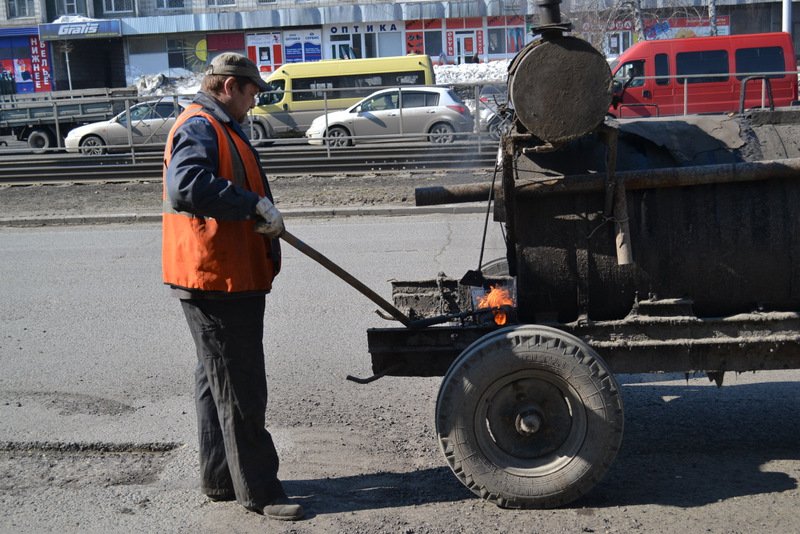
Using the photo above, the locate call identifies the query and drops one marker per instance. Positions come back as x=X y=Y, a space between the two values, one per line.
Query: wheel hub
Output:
x=528 y=423
x=528 y=417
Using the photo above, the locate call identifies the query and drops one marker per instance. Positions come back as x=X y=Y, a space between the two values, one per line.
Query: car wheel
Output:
x=441 y=133
x=338 y=137
x=92 y=145
x=497 y=128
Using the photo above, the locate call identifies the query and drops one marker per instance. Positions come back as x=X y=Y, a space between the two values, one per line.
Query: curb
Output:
x=130 y=218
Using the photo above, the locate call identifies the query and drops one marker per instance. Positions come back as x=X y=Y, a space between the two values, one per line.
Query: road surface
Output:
x=97 y=418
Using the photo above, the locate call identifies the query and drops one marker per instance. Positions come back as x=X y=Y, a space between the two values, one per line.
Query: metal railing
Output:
x=690 y=102
x=157 y=131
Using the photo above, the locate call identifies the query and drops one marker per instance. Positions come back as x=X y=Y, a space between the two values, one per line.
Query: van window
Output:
x=759 y=60
x=662 y=69
x=705 y=62
x=353 y=85
x=631 y=74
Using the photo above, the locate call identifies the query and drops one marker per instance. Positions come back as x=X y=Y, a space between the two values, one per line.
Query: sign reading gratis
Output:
x=89 y=29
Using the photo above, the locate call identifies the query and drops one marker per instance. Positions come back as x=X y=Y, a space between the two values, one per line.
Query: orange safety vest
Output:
x=202 y=253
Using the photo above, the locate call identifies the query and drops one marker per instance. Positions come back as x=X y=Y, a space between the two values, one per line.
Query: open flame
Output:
x=498 y=296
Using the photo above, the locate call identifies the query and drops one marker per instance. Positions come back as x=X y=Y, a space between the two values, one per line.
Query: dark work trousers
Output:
x=237 y=455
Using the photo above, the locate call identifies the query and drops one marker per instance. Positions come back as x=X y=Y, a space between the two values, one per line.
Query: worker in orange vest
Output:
x=221 y=269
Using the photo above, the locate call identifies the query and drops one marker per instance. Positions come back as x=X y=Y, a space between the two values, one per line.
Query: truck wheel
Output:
x=40 y=140
x=92 y=145
x=529 y=417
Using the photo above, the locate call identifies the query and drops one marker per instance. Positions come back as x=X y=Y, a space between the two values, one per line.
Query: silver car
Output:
x=435 y=113
x=150 y=123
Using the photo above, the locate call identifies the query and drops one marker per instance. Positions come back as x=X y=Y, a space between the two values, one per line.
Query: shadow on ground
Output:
x=684 y=446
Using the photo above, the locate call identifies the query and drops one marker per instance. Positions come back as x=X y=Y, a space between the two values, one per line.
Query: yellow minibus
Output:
x=300 y=92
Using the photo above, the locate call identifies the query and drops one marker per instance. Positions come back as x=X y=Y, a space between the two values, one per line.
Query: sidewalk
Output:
x=129 y=218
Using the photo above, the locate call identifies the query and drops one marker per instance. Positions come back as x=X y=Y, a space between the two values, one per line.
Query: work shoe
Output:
x=284 y=509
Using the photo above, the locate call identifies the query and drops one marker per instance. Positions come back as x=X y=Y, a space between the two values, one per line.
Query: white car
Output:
x=435 y=113
x=150 y=125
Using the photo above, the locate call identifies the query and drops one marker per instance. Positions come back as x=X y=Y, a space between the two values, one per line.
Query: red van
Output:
x=703 y=75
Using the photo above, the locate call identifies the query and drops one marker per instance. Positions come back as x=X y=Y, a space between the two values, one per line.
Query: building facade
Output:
x=73 y=44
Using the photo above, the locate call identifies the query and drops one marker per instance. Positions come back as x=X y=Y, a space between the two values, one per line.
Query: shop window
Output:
x=390 y=44
x=433 y=44
x=370 y=45
x=146 y=45
x=218 y=3
x=497 y=41
x=20 y=8
x=117 y=6
x=169 y=4
x=188 y=53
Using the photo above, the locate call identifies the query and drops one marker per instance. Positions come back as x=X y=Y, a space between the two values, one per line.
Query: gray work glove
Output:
x=271 y=223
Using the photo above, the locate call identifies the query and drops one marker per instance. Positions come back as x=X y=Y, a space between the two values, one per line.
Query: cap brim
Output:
x=262 y=85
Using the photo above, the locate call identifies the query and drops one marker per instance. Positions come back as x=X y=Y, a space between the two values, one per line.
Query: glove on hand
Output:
x=272 y=223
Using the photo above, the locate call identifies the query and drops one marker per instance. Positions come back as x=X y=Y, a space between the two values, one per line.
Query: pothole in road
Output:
x=29 y=465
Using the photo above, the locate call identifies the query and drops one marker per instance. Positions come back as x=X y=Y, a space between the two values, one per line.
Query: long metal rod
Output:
x=632 y=179
x=344 y=275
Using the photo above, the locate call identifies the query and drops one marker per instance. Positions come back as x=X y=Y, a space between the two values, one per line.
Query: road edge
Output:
x=322 y=212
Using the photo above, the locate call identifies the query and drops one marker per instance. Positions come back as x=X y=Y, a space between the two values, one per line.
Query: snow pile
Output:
x=492 y=72
x=184 y=82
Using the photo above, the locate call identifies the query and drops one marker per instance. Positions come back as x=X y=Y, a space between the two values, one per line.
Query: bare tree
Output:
x=594 y=20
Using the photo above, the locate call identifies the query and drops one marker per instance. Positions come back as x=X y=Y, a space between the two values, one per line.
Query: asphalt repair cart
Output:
x=646 y=246
x=642 y=247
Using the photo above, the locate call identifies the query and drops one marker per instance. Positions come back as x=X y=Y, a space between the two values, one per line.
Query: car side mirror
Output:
x=617 y=89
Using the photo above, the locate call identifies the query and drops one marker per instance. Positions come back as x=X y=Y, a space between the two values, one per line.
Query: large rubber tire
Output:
x=529 y=417
x=441 y=133
x=339 y=137
x=40 y=140
x=92 y=145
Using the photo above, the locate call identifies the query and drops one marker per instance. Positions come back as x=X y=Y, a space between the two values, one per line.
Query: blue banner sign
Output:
x=80 y=30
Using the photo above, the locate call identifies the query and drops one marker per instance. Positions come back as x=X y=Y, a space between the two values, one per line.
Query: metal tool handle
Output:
x=344 y=275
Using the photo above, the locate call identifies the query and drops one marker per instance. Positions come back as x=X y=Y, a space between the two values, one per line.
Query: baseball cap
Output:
x=233 y=64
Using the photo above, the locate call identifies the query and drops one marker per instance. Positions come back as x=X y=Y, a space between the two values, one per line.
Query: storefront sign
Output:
x=363 y=28
x=265 y=50
x=40 y=65
x=680 y=27
x=80 y=30
x=302 y=46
